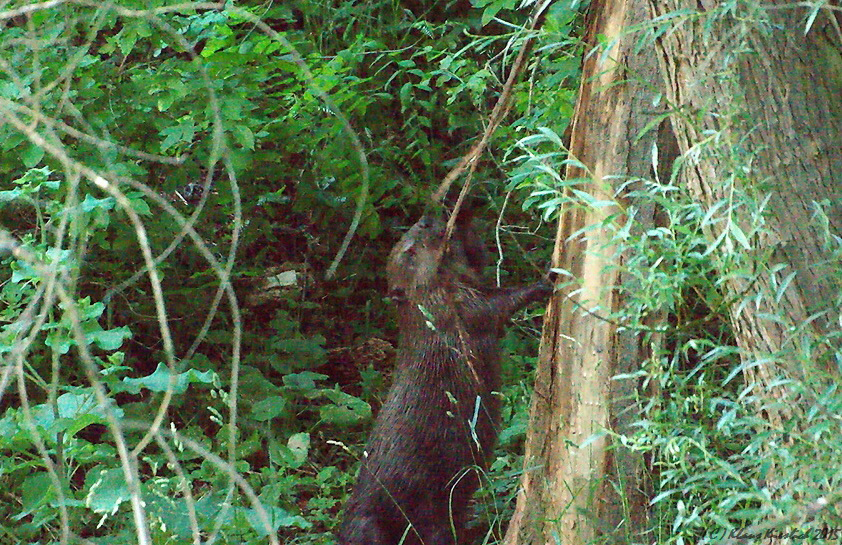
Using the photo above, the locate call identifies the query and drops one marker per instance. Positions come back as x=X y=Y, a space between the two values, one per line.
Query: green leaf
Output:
x=36 y=491
x=159 y=381
x=814 y=11
x=244 y=136
x=593 y=437
x=552 y=136
x=493 y=8
x=293 y=454
x=405 y=94
x=32 y=155
x=346 y=409
x=269 y=408
x=60 y=341
x=107 y=489
x=90 y=203
x=784 y=285
x=305 y=380
x=126 y=39
x=111 y=339
x=8 y=196
x=299 y=445
x=739 y=236
x=138 y=203
x=71 y=428
x=278 y=518
x=75 y=411
x=183 y=132
x=311 y=346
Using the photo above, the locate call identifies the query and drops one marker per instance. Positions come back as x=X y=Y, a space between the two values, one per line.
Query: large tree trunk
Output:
x=759 y=115
x=569 y=493
x=756 y=113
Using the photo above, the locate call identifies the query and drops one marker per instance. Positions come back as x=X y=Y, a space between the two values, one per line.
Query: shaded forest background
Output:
x=178 y=179
x=201 y=117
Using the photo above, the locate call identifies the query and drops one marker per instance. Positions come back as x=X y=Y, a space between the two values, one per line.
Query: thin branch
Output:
x=498 y=114
x=501 y=108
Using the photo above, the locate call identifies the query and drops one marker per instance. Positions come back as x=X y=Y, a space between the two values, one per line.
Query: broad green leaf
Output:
x=305 y=380
x=12 y=194
x=269 y=408
x=278 y=518
x=32 y=155
x=138 y=203
x=107 y=490
x=111 y=339
x=36 y=491
x=75 y=411
x=299 y=445
x=90 y=203
x=345 y=410
x=159 y=381
x=177 y=134
x=244 y=136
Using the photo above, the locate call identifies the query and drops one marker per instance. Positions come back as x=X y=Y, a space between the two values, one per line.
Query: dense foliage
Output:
x=136 y=132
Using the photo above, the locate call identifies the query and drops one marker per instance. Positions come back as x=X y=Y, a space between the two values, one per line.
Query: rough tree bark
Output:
x=770 y=97
x=756 y=111
x=569 y=494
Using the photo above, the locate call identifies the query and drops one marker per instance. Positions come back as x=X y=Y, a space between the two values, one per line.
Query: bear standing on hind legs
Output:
x=438 y=425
